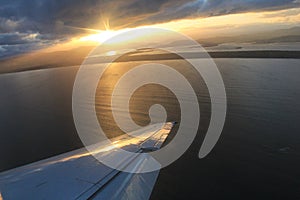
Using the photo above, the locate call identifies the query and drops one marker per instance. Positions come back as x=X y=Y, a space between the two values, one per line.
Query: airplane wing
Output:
x=78 y=175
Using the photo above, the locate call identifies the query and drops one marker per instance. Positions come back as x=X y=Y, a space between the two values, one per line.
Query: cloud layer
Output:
x=52 y=20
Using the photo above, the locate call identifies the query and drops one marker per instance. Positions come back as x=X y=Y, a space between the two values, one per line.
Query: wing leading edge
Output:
x=78 y=175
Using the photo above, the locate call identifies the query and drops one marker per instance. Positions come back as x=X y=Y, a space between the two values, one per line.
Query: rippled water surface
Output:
x=257 y=156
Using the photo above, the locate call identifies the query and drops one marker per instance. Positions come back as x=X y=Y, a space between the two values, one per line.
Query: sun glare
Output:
x=103 y=37
x=98 y=37
x=111 y=53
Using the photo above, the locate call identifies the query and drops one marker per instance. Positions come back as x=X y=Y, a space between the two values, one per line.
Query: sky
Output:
x=32 y=24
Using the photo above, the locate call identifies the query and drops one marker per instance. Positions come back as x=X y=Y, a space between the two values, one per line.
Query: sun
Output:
x=100 y=37
x=103 y=36
x=120 y=39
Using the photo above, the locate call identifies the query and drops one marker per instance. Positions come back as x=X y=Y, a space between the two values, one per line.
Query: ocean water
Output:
x=257 y=156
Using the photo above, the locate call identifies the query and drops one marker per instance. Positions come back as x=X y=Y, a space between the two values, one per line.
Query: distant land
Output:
x=277 y=36
x=77 y=56
x=74 y=57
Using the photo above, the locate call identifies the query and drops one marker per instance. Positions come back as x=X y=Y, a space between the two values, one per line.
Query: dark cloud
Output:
x=16 y=43
x=208 y=8
x=46 y=16
x=54 y=19
x=17 y=38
